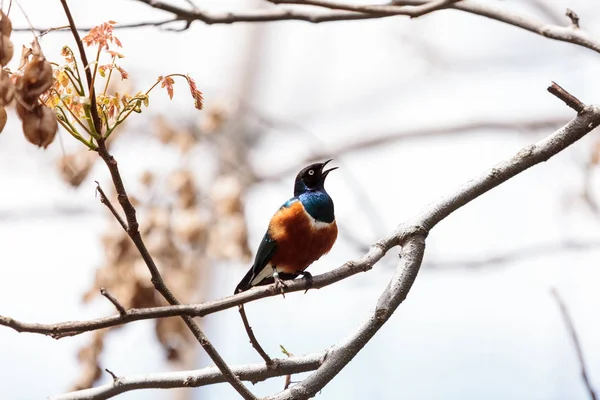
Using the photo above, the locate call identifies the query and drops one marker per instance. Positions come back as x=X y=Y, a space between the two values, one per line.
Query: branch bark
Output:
x=196 y=378
x=351 y=12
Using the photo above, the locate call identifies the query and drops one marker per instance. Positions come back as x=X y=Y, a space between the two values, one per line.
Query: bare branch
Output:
x=567 y=97
x=104 y=200
x=196 y=378
x=560 y=33
x=113 y=300
x=573 y=17
x=112 y=374
x=395 y=8
x=66 y=28
x=72 y=328
x=411 y=236
x=410 y=10
x=575 y=340
x=253 y=340
x=261 y=15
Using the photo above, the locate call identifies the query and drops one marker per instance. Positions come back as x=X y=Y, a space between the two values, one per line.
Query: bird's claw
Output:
x=309 y=280
x=279 y=283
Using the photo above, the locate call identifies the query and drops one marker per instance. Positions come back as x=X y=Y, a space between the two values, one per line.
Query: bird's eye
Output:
x=311 y=172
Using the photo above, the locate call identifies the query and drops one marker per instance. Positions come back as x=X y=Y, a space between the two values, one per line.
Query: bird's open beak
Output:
x=324 y=173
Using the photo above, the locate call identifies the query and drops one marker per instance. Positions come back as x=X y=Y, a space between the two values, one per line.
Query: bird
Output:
x=301 y=231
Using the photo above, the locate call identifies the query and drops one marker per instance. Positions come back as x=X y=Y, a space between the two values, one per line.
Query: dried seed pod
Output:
x=6 y=50
x=21 y=110
x=75 y=167
x=7 y=89
x=40 y=126
x=3 y=118
x=36 y=79
x=5 y=25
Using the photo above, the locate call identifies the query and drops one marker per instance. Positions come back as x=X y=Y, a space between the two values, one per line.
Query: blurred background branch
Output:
x=566 y=316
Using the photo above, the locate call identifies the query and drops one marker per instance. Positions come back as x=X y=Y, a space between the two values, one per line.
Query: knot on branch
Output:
x=524 y=152
x=405 y=232
x=382 y=314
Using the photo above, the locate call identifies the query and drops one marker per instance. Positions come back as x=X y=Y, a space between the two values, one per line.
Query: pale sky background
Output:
x=489 y=333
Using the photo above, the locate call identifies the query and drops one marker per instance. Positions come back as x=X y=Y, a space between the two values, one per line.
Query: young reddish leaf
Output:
x=124 y=74
x=115 y=54
x=101 y=35
x=167 y=82
x=196 y=94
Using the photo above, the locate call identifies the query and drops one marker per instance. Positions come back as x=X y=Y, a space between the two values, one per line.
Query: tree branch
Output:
x=261 y=15
x=72 y=328
x=113 y=300
x=252 y=337
x=132 y=224
x=104 y=200
x=411 y=236
x=349 y=12
x=66 y=28
x=575 y=340
x=413 y=11
x=567 y=97
x=196 y=378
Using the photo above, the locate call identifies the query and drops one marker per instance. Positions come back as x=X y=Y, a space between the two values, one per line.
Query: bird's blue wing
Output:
x=263 y=256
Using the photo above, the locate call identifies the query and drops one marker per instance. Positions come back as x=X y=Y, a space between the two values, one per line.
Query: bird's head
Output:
x=312 y=178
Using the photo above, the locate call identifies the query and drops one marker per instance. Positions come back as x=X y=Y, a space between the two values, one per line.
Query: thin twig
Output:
x=573 y=17
x=252 y=338
x=104 y=200
x=567 y=97
x=66 y=28
x=575 y=340
x=114 y=376
x=114 y=301
x=288 y=378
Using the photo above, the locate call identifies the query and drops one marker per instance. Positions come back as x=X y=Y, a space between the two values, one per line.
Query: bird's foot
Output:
x=308 y=278
x=279 y=283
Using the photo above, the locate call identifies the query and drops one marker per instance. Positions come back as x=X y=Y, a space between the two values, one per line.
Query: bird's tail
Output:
x=245 y=282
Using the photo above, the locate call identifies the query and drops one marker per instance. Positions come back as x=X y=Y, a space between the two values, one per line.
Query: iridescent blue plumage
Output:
x=318 y=204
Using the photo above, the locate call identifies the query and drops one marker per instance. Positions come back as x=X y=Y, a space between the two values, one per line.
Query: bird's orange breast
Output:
x=300 y=239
